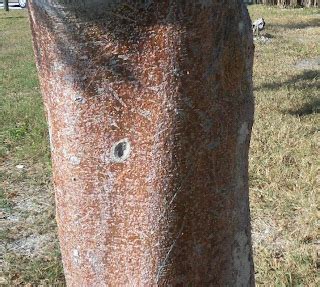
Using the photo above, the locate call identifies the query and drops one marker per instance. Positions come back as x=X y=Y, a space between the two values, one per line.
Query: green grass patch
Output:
x=4 y=202
x=44 y=271
x=23 y=130
x=25 y=201
x=283 y=156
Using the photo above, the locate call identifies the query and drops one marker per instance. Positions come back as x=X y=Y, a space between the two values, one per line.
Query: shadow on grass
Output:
x=306 y=79
x=13 y=17
x=312 y=107
x=313 y=23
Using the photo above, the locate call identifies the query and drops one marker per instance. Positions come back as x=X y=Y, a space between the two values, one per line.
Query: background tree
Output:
x=6 y=5
x=149 y=106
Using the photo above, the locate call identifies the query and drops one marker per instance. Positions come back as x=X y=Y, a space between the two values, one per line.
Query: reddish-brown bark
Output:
x=150 y=108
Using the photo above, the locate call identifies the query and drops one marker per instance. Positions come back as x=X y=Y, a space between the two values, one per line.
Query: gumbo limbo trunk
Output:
x=150 y=107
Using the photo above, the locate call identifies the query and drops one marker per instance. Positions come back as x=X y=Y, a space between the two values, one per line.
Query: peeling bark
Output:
x=150 y=107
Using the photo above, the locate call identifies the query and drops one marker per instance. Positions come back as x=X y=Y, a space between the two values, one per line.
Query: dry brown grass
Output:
x=283 y=158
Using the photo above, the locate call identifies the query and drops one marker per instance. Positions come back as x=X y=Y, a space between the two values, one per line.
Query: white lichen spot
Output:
x=75 y=256
x=74 y=160
x=114 y=125
x=112 y=122
x=57 y=66
x=241 y=26
x=100 y=91
x=243 y=133
x=105 y=157
x=79 y=99
x=214 y=144
x=198 y=249
x=83 y=57
x=50 y=137
x=120 y=151
x=69 y=131
x=69 y=79
x=50 y=130
x=241 y=259
x=145 y=113
x=123 y=57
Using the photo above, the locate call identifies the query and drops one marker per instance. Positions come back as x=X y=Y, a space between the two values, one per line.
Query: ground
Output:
x=283 y=157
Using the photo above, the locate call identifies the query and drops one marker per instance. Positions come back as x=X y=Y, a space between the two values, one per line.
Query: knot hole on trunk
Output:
x=121 y=151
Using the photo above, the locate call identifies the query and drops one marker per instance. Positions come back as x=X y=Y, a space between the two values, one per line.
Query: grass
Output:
x=23 y=130
x=283 y=158
x=24 y=194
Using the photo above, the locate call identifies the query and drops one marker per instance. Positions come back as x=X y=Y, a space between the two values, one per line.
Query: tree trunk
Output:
x=6 y=5
x=150 y=108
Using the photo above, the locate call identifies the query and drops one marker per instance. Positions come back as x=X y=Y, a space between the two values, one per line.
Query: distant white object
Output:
x=22 y=3
x=258 y=25
x=20 y=166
